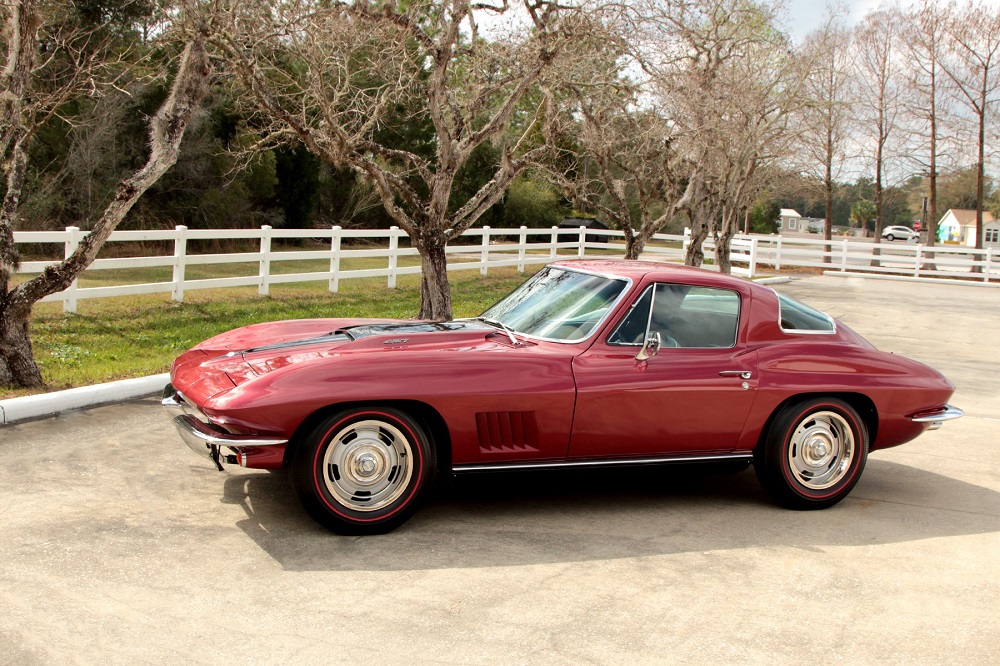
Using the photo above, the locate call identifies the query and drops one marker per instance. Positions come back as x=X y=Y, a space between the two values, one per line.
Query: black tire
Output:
x=363 y=471
x=890 y=238
x=813 y=454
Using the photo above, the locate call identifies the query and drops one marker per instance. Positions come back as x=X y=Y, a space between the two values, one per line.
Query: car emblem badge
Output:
x=396 y=341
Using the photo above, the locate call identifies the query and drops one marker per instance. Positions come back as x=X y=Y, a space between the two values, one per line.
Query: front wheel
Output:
x=813 y=454
x=363 y=471
x=890 y=238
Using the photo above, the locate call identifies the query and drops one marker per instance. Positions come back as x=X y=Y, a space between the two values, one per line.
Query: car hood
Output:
x=232 y=358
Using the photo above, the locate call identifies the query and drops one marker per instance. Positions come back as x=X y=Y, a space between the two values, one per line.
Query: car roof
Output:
x=637 y=269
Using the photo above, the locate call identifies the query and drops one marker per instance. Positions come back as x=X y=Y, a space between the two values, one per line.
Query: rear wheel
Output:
x=813 y=454
x=363 y=471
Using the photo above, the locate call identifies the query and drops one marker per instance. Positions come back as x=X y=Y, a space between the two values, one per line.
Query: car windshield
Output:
x=558 y=304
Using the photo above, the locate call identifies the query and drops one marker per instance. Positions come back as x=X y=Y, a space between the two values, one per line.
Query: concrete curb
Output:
x=906 y=278
x=48 y=404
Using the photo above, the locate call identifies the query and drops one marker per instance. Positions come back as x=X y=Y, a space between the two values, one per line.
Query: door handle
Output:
x=744 y=374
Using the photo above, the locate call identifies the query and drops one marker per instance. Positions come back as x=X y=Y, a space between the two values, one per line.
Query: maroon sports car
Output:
x=587 y=363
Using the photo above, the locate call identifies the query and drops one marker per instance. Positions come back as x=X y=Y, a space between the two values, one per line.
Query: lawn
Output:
x=118 y=338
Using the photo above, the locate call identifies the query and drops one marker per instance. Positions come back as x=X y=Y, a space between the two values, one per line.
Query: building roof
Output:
x=789 y=212
x=966 y=217
x=577 y=222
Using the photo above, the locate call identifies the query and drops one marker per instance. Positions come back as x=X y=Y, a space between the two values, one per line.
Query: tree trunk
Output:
x=930 y=223
x=634 y=244
x=17 y=365
x=17 y=360
x=695 y=255
x=980 y=179
x=435 y=290
x=879 y=204
x=723 y=243
x=828 y=191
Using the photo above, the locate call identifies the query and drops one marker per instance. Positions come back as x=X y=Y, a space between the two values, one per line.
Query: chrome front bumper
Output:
x=203 y=438
x=936 y=419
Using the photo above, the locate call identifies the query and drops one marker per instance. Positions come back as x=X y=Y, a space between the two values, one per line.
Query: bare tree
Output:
x=924 y=44
x=617 y=158
x=879 y=82
x=29 y=96
x=826 y=119
x=727 y=82
x=973 y=66
x=329 y=75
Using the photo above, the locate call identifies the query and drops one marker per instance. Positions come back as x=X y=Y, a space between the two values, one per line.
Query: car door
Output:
x=692 y=396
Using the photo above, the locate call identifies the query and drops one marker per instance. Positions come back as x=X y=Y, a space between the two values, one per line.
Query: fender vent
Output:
x=507 y=431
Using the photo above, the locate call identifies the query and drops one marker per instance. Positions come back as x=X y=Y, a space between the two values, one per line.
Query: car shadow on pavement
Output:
x=546 y=517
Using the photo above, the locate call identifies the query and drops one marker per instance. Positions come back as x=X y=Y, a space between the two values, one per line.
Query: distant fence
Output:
x=495 y=248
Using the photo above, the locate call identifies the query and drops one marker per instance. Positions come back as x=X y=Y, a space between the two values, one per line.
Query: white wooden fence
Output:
x=496 y=247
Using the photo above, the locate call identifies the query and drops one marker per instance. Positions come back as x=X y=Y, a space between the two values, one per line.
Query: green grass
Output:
x=118 y=338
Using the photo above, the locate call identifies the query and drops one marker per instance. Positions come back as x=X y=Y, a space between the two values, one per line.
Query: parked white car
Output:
x=902 y=233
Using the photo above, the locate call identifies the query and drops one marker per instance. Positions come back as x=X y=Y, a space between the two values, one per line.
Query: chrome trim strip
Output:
x=191 y=429
x=948 y=413
x=612 y=462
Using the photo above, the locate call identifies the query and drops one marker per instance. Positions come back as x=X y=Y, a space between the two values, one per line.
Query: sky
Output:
x=804 y=16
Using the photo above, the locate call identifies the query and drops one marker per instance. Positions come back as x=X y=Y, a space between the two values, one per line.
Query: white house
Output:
x=958 y=226
x=789 y=220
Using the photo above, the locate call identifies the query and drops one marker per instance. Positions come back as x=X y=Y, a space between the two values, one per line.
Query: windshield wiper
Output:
x=497 y=324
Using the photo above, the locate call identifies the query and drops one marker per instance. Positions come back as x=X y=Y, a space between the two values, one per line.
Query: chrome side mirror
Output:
x=649 y=348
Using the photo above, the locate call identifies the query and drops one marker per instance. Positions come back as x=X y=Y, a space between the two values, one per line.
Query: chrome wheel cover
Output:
x=821 y=450
x=367 y=465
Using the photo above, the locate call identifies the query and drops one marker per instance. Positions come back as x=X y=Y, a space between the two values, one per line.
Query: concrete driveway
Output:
x=118 y=545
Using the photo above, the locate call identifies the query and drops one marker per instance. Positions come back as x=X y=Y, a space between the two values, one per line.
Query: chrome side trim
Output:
x=611 y=462
x=949 y=413
x=189 y=426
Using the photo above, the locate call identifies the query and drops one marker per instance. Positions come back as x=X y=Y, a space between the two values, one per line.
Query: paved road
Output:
x=117 y=545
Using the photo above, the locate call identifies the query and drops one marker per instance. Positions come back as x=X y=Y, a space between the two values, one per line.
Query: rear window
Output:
x=799 y=317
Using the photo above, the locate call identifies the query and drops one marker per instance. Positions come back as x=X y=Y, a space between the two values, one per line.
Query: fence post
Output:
x=554 y=250
x=777 y=255
x=989 y=264
x=916 y=262
x=180 y=261
x=72 y=242
x=484 y=256
x=582 y=252
x=522 y=246
x=753 y=257
x=843 y=256
x=264 y=287
x=393 y=255
x=686 y=241
x=335 y=260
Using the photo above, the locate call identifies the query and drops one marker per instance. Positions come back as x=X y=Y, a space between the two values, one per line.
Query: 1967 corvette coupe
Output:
x=587 y=363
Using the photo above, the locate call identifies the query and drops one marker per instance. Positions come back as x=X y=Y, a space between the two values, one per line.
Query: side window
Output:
x=683 y=315
x=632 y=329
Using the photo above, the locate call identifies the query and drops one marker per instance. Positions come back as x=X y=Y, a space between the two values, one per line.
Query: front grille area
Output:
x=507 y=431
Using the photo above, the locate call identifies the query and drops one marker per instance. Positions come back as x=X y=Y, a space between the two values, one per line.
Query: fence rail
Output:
x=495 y=249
